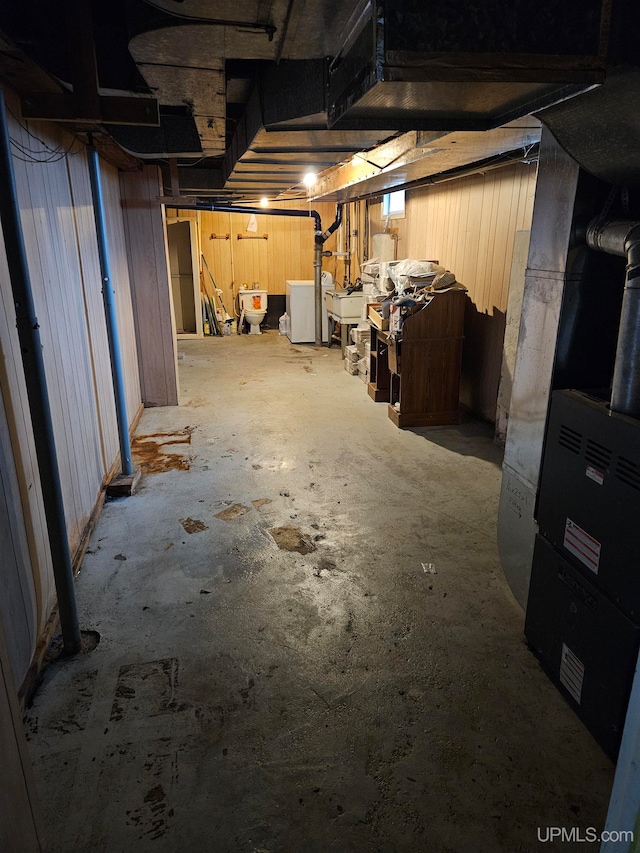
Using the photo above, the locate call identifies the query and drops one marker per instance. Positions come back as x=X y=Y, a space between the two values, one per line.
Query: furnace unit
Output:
x=583 y=613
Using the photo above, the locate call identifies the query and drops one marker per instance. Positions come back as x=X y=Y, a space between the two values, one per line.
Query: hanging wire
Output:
x=54 y=155
x=25 y=127
x=53 y=158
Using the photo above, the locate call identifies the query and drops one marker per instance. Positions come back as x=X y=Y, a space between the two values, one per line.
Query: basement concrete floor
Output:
x=372 y=694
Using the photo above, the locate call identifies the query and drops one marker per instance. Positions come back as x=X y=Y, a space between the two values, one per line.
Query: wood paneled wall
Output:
x=265 y=264
x=57 y=218
x=145 y=229
x=20 y=816
x=17 y=598
x=469 y=225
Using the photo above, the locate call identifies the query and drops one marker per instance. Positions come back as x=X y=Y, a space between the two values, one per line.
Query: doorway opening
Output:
x=185 y=277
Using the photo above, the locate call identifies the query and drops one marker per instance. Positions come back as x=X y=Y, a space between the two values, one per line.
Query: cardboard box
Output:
x=375 y=317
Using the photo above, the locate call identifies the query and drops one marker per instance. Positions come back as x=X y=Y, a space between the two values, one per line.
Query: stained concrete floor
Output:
x=373 y=694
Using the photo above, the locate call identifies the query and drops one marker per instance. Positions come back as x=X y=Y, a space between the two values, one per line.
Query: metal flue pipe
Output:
x=37 y=393
x=623 y=239
x=321 y=239
x=108 y=298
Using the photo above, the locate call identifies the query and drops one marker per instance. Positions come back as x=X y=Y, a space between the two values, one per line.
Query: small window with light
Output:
x=393 y=205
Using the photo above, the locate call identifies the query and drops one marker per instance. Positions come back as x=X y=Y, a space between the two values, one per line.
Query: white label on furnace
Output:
x=571 y=673
x=595 y=475
x=578 y=542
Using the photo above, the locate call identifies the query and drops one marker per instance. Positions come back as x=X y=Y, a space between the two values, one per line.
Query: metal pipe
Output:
x=37 y=393
x=367 y=227
x=108 y=297
x=320 y=240
x=347 y=231
x=259 y=211
x=317 y=286
x=623 y=239
x=334 y=225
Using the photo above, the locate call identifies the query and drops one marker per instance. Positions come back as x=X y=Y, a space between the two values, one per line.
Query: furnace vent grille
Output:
x=570 y=439
x=628 y=472
x=571 y=673
x=597 y=454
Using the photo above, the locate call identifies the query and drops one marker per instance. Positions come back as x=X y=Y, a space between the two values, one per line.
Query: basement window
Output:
x=393 y=205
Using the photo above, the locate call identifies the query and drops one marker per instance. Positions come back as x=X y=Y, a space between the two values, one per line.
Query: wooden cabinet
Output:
x=424 y=363
x=379 y=375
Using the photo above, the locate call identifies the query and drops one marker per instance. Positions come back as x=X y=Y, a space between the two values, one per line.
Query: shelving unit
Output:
x=424 y=363
x=379 y=375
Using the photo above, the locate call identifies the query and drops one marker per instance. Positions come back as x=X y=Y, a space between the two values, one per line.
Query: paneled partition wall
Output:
x=57 y=219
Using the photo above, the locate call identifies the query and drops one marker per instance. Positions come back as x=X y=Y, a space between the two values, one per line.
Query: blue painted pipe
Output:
x=108 y=297
x=37 y=393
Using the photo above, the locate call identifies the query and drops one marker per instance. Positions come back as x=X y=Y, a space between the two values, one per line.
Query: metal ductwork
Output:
x=623 y=239
x=601 y=129
x=416 y=65
x=272 y=160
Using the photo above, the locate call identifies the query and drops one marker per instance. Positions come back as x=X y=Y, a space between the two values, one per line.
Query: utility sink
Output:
x=344 y=307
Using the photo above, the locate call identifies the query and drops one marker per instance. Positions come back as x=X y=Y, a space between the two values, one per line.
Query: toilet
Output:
x=254 y=305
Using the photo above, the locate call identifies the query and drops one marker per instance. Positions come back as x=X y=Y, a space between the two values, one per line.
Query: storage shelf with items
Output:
x=379 y=375
x=424 y=358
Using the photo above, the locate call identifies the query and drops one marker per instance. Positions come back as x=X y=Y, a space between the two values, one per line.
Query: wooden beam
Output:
x=84 y=66
x=175 y=180
x=112 y=109
x=110 y=151
x=21 y=72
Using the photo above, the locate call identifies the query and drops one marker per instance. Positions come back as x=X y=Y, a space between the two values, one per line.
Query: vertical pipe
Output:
x=623 y=239
x=320 y=239
x=347 y=247
x=317 y=285
x=39 y=406
x=108 y=296
x=367 y=226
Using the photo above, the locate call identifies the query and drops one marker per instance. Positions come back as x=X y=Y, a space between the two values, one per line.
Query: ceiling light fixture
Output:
x=310 y=178
x=264 y=202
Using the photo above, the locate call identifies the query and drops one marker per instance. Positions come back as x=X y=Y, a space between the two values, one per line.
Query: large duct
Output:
x=623 y=239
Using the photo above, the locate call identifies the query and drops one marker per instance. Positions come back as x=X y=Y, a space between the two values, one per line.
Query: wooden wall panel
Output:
x=145 y=230
x=469 y=225
x=18 y=611
x=45 y=206
x=57 y=219
x=266 y=264
x=20 y=815
x=94 y=307
x=29 y=572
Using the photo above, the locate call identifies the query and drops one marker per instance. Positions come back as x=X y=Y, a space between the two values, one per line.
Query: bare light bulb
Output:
x=264 y=202
x=310 y=179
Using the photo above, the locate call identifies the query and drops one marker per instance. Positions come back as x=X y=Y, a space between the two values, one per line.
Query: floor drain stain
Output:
x=292 y=539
